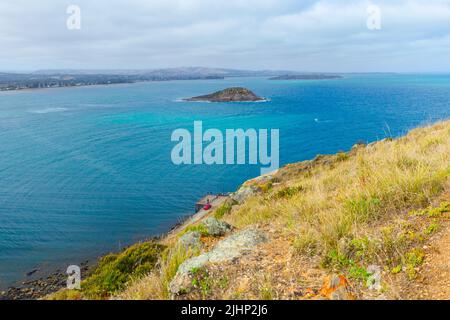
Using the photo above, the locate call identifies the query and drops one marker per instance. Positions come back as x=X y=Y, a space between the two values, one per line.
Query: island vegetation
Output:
x=236 y=94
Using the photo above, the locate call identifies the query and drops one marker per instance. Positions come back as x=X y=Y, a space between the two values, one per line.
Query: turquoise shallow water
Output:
x=87 y=170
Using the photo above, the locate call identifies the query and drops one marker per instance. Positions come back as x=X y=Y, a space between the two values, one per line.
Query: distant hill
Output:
x=168 y=72
x=72 y=77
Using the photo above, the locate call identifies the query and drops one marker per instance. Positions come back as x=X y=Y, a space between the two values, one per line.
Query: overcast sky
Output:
x=322 y=35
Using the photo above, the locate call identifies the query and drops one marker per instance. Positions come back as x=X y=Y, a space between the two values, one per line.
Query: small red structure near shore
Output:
x=208 y=201
x=205 y=201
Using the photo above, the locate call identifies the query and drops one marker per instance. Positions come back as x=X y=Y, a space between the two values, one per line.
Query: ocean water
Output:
x=85 y=171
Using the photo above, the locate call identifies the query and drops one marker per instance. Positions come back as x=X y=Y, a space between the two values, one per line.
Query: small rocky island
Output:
x=307 y=77
x=237 y=94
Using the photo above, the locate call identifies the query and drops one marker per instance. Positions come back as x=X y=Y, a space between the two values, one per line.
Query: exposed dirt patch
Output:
x=434 y=279
x=270 y=271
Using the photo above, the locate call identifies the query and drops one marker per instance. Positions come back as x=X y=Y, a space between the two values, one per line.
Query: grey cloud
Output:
x=322 y=35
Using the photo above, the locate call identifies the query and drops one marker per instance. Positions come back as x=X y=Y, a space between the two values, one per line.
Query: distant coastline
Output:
x=51 y=79
x=307 y=77
x=47 y=79
x=24 y=90
x=43 y=85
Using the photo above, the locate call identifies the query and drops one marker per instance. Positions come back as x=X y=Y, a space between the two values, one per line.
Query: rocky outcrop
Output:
x=228 y=95
x=252 y=187
x=215 y=227
x=190 y=240
x=226 y=250
x=244 y=193
x=212 y=226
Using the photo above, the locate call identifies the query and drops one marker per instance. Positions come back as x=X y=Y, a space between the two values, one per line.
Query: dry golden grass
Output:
x=340 y=199
x=155 y=285
x=349 y=210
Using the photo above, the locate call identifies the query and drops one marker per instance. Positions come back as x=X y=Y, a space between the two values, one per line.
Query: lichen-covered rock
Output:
x=244 y=193
x=254 y=186
x=216 y=228
x=191 y=240
x=226 y=250
x=236 y=245
x=182 y=281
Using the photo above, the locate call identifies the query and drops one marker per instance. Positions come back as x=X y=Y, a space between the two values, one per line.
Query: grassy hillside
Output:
x=379 y=205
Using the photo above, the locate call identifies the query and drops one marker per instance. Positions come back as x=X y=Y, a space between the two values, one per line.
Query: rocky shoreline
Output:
x=34 y=289
x=38 y=288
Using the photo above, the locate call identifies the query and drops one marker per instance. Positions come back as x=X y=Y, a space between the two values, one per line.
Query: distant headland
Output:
x=236 y=94
x=307 y=77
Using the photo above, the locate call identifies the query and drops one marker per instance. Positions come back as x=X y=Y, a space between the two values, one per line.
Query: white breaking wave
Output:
x=48 y=110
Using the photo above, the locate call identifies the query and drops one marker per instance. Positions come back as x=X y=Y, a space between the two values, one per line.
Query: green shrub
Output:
x=200 y=228
x=288 y=192
x=170 y=261
x=115 y=270
x=359 y=273
x=397 y=269
x=413 y=259
x=265 y=187
x=444 y=207
x=364 y=249
x=202 y=281
x=342 y=156
x=363 y=209
x=223 y=210
x=65 y=295
x=432 y=228
x=335 y=259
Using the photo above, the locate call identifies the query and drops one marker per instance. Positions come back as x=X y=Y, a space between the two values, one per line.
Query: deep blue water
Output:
x=87 y=170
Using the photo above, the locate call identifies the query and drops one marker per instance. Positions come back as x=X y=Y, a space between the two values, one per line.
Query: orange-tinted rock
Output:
x=336 y=287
